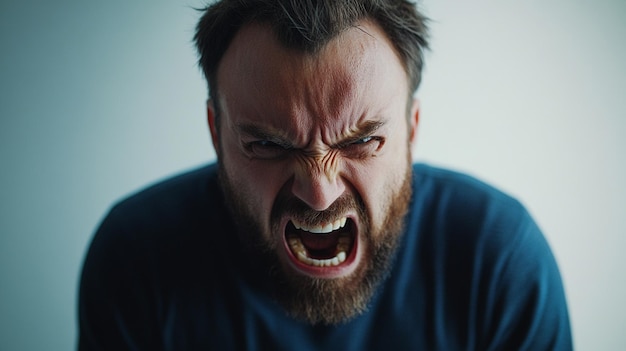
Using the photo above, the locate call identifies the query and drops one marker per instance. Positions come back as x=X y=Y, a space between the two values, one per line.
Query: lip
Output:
x=344 y=269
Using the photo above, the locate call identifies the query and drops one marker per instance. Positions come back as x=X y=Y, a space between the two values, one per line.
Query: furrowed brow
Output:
x=365 y=129
x=260 y=133
x=369 y=127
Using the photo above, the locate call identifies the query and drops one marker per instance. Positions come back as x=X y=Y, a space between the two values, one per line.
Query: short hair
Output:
x=308 y=25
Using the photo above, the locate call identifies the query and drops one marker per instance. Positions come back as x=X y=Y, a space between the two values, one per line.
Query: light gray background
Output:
x=100 y=98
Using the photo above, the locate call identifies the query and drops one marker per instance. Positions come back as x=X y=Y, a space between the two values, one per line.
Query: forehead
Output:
x=359 y=68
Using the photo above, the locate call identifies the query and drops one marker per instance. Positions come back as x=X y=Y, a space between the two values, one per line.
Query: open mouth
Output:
x=325 y=245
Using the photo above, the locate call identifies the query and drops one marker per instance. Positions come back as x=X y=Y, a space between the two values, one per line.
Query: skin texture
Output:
x=316 y=137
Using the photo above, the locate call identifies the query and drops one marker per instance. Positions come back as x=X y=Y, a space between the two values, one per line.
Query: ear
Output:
x=414 y=116
x=211 y=116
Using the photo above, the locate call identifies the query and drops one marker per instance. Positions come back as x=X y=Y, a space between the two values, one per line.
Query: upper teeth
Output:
x=323 y=228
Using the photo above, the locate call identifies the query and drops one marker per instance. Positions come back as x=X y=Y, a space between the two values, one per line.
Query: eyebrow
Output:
x=367 y=128
x=261 y=133
x=364 y=129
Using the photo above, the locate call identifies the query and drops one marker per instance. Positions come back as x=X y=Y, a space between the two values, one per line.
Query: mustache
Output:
x=288 y=205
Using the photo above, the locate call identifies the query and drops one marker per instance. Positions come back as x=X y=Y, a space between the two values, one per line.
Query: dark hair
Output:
x=308 y=25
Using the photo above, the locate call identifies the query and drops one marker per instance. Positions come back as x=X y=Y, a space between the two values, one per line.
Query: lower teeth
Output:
x=301 y=254
x=335 y=261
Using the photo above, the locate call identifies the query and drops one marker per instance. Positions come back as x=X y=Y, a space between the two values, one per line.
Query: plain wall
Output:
x=99 y=99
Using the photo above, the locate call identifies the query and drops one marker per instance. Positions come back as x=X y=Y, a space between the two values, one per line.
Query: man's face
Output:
x=314 y=153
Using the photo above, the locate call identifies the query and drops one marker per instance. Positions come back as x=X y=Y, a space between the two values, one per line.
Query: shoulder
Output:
x=459 y=221
x=482 y=246
x=149 y=244
x=176 y=195
x=174 y=212
x=454 y=183
x=163 y=228
x=460 y=201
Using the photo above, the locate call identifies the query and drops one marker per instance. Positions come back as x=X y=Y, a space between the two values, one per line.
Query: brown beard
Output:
x=320 y=300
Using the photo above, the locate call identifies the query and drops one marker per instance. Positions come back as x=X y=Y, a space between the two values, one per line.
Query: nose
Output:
x=318 y=189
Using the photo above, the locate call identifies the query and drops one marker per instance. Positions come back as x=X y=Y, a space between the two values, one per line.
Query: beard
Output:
x=320 y=300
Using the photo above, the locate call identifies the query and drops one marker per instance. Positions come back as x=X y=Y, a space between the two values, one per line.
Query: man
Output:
x=314 y=230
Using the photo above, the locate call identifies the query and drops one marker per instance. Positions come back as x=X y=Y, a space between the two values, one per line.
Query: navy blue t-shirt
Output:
x=472 y=272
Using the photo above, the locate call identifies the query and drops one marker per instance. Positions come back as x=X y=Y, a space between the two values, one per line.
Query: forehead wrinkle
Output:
x=337 y=83
x=240 y=72
x=312 y=99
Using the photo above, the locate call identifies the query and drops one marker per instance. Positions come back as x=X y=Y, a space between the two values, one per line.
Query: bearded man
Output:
x=314 y=230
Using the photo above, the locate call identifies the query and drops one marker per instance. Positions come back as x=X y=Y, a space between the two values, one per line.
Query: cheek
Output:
x=378 y=179
x=257 y=183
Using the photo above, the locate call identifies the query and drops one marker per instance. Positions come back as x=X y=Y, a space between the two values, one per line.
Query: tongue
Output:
x=319 y=244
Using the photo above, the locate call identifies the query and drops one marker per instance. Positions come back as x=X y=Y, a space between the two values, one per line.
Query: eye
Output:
x=363 y=147
x=267 y=149
x=363 y=140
